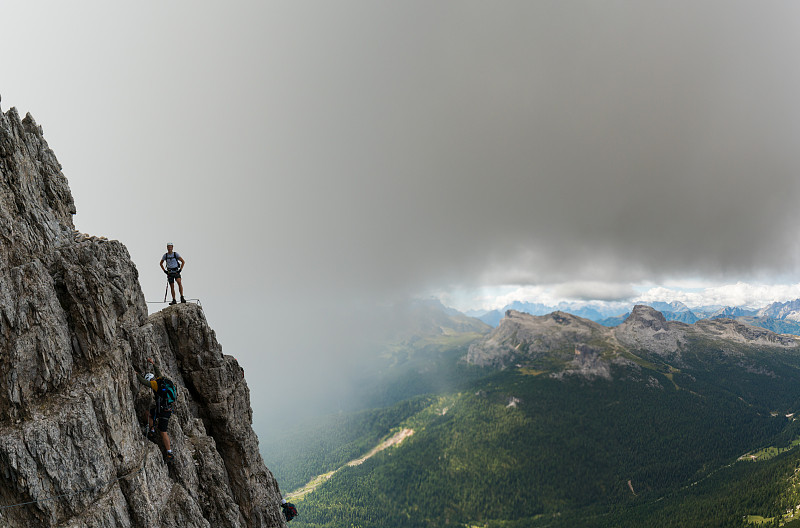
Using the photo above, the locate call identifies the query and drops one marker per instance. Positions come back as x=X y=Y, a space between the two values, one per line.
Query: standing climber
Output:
x=165 y=394
x=175 y=264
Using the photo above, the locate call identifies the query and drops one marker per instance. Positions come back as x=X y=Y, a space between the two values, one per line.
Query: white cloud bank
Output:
x=739 y=294
x=691 y=293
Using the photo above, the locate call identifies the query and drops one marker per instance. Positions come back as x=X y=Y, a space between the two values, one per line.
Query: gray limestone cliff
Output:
x=73 y=324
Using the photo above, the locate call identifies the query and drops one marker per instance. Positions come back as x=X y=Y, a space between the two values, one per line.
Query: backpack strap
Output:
x=173 y=257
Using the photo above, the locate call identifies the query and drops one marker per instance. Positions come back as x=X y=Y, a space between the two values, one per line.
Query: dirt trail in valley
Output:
x=396 y=439
x=317 y=481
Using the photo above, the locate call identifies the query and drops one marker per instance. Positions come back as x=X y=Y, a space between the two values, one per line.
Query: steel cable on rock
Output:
x=195 y=301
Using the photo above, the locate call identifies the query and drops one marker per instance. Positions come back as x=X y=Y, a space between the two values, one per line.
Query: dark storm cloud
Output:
x=381 y=148
x=529 y=142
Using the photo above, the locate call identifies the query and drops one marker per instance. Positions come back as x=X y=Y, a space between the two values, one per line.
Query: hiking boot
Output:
x=151 y=435
x=170 y=456
x=173 y=302
x=182 y=299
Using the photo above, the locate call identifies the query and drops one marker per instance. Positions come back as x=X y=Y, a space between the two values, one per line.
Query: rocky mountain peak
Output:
x=37 y=205
x=73 y=326
x=524 y=337
x=643 y=316
x=782 y=310
x=553 y=318
x=648 y=329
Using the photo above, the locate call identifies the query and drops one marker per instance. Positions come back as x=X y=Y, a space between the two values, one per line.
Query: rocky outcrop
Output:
x=73 y=323
x=525 y=337
x=587 y=363
x=736 y=331
x=787 y=310
x=565 y=344
x=648 y=329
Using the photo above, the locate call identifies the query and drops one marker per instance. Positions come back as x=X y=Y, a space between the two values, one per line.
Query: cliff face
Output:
x=73 y=322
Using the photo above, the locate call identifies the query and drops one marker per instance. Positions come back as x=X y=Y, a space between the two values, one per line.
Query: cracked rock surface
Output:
x=73 y=322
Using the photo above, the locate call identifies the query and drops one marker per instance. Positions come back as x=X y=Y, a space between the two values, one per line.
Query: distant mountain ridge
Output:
x=781 y=317
x=784 y=311
x=555 y=340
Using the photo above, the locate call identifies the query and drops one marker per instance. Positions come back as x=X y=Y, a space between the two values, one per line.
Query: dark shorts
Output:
x=172 y=275
x=163 y=418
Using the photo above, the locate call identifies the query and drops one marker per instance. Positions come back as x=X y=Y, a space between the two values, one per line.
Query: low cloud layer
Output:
x=538 y=144
x=739 y=294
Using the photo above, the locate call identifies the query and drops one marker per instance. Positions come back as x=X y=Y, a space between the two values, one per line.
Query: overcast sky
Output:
x=308 y=158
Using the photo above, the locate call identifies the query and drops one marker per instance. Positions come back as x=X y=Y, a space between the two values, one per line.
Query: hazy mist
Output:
x=310 y=159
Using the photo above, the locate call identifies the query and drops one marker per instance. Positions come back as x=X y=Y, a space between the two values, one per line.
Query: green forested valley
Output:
x=708 y=443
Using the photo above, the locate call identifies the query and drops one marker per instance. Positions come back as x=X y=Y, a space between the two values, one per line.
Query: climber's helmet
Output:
x=149 y=376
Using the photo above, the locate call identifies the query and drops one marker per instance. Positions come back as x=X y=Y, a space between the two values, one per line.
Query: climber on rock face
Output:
x=175 y=264
x=289 y=510
x=165 y=394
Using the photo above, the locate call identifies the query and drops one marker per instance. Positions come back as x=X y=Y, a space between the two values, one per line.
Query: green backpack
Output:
x=167 y=392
